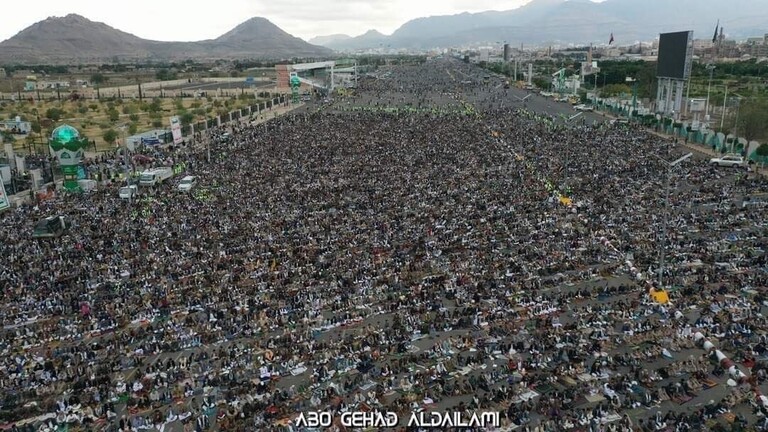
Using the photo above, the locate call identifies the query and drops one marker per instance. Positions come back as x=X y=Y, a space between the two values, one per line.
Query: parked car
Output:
x=127 y=192
x=583 y=107
x=728 y=161
x=187 y=183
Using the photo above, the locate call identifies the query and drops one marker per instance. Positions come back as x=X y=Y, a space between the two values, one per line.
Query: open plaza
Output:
x=431 y=242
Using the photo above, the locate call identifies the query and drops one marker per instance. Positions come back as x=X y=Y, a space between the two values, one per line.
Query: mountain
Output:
x=329 y=39
x=258 y=37
x=547 y=22
x=371 y=38
x=75 y=39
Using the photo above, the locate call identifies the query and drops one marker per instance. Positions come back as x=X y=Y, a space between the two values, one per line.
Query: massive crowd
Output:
x=420 y=245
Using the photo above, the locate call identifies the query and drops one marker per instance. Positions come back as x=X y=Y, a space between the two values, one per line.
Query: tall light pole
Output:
x=634 y=94
x=663 y=245
x=711 y=69
x=722 y=117
x=125 y=160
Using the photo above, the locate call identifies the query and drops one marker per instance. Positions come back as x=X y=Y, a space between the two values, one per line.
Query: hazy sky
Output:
x=190 y=20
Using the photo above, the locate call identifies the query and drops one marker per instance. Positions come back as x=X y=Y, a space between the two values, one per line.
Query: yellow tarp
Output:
x=565 y=201
x=660 y=296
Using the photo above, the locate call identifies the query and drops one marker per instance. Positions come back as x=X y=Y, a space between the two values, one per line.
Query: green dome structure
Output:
x=69 y=148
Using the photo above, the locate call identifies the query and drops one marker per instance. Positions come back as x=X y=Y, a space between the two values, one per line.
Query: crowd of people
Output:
x=420 y=245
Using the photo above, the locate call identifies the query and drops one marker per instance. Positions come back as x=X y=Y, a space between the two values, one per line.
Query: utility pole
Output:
x=722 y=117
x=711 y=69
x=665 y=222
x=127 y=172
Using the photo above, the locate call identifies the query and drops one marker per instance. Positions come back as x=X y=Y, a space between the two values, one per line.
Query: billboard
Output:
x=674 y=56
x=4 y=203
x=176 y=129
x=698 y=105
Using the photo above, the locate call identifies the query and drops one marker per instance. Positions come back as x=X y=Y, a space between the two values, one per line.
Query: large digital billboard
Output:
x=673 y=55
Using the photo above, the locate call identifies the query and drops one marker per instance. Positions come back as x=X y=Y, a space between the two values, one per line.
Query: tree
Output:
x=155 y=106
x=615 y=90
x=541 y=83
x=53 y=114
x=114 y=115
x=36 y=127
x=753 y=119
x=133 y=128
x=110 y=136
x=98 y=79
x=165 y=75
x=762 y=151
x=93 y=107
x=187 y=118
x=7 y=136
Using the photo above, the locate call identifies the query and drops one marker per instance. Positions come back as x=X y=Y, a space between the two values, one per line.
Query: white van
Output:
x=187 y=183
x=127 y=192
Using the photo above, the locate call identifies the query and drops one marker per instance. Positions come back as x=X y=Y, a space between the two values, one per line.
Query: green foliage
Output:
x=187 y=118
x=54 y=114
x=36 y=127
x=541 y=83
x=114 y=115
x=83 y=109
x=110 y=136
x=196 y=104
x=615 y=90
x=157 y=123
x=179 y=104
x=93 y=107
x=753 y=119
x=762 y=150
x=7 y=136
x=133 y=128
x=156 y=106
x=98 y=79
x=134 y=117
x=165 y=74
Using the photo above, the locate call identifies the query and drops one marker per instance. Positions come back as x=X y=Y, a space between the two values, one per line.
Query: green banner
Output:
x=70 y=177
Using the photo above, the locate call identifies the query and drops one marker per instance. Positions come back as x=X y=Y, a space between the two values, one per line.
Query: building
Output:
x=16 y=126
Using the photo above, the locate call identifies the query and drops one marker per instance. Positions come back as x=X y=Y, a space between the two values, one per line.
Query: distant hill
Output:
x=75 y=39
x=329 y=39
x=545 y=22
x=369 y=39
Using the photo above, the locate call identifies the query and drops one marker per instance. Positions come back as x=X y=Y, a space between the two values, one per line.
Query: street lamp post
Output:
x=127 y=172
x=711 y=69
x=722 y=116
x=634 y=94
x=665 y=222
